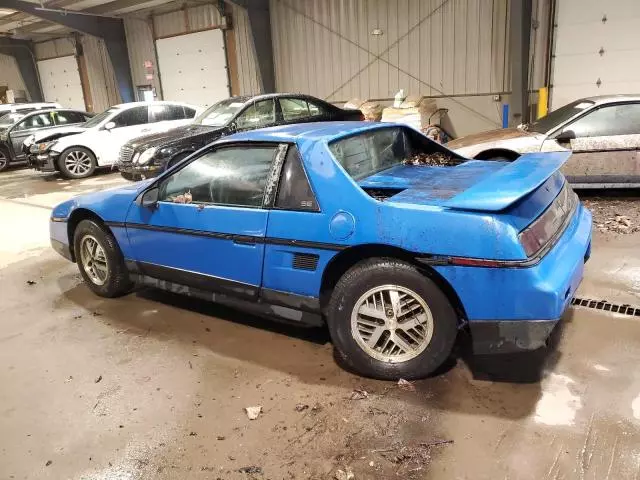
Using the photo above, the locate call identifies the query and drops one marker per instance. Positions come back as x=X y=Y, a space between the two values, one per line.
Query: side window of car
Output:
x=257 y=115
x=66 y=117
x=34 y=121
x=294 y=189
x=164 y=113
x=132 y=116
x=294 y=109
x=622 y=119
x=234 y=176
x=189 y=112
x=315 y=109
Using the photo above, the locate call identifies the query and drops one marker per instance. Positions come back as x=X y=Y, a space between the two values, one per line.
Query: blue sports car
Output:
x=391 y=240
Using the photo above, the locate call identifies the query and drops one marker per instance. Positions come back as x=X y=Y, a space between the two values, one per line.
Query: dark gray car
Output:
x=15 y=128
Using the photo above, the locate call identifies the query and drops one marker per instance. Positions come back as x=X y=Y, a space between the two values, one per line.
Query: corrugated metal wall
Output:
x=188 y=20
x=60 y=47
x=11 y=76
x=248 y=75
x=431 y=47
x=141 y=48
x=102 y=79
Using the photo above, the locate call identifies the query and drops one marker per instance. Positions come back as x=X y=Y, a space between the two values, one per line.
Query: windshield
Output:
x=371 y=152
x=92 y=122
x=219 y=114
x=559 y=116
x=9 y=119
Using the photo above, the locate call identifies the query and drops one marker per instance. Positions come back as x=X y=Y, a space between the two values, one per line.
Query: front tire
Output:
x=132 y=177
x=100 y=261
x=389 y=321
x=77 y=162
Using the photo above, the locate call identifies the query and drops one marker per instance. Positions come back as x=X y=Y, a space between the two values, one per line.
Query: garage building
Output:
x=472 y=56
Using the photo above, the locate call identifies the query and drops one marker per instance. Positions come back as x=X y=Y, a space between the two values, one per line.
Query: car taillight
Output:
x=544 y=228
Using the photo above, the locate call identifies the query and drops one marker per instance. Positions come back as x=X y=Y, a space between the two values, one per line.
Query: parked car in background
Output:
x=602 y=132
x=6 y=108
x=15 y=127
x=347 y=223
x=150 y=155
x=76 y=152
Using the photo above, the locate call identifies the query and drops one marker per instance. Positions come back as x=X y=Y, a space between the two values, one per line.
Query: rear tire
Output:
x=77 y=162
x=100 y=261
x=389 y=321
x=4 y=160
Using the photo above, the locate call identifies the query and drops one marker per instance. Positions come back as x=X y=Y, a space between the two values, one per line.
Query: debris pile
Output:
x=613 y=215
x=435 y=159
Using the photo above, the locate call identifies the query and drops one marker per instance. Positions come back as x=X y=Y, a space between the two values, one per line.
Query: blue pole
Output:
x=505 y=115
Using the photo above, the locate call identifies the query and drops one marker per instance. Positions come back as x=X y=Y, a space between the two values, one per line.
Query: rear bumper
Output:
x=513 y=309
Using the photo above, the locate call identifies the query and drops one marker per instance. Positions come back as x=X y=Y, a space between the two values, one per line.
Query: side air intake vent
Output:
x=305 y=261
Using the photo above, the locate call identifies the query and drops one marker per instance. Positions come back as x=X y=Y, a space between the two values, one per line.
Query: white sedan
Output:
x=76 y=152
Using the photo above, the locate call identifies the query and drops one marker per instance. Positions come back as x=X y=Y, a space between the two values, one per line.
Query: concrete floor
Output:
x=154 y=386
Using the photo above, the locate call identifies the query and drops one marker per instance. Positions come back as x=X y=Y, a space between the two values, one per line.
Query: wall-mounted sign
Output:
x=148 y=64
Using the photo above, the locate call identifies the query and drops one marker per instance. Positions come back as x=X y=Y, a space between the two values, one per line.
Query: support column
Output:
x=520 y=38
x=110 y=29
x=22 y=51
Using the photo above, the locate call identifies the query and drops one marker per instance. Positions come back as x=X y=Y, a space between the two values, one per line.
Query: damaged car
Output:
x=17 y=126
x=76 y=152
x=602 y=132
x=150 y=155
x=390 y=240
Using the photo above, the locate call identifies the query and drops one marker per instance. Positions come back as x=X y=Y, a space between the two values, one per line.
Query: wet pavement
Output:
x=154 y=386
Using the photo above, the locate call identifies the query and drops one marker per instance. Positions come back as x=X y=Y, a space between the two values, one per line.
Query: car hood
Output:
x=160 y=139
x=57 y=132
x=490 y=136
x=476 y=185
x=111 y=204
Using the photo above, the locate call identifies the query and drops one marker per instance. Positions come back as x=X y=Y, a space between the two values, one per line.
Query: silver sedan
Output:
x=603 y=133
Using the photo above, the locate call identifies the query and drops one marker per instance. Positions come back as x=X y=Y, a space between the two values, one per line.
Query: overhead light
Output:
x=377 y=31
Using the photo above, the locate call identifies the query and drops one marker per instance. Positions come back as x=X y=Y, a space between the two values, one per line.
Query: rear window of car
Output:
x=372 y=151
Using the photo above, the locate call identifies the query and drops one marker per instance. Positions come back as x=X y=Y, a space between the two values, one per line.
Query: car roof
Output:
x=124 y=106
x=26 y=106
x=49 y=110
x=264 y=96
x=327 y=131
x=602 y=99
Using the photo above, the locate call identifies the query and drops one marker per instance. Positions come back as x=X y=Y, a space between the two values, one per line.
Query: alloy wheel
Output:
x=392 y=324
x=3 y=160
x=94 y=260
x=78 y=163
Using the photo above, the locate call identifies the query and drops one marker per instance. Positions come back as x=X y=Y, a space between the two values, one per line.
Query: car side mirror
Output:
x=110 y=125
x=233 y=127
x=150 y=198
x=566 y=136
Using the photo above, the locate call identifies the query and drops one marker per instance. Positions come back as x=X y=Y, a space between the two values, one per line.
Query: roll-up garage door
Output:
x=597 y=45
x=193 y=67
x=61 y=81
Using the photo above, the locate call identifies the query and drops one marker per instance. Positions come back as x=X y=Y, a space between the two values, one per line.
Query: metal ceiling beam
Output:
x=22 y=51
x=19 y=16
x=260 y=27
x=111 y=30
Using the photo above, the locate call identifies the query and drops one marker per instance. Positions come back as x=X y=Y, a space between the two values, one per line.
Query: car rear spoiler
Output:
x=509 y=184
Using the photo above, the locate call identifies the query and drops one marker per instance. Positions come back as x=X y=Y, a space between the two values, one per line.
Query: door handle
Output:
x=244 y=240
